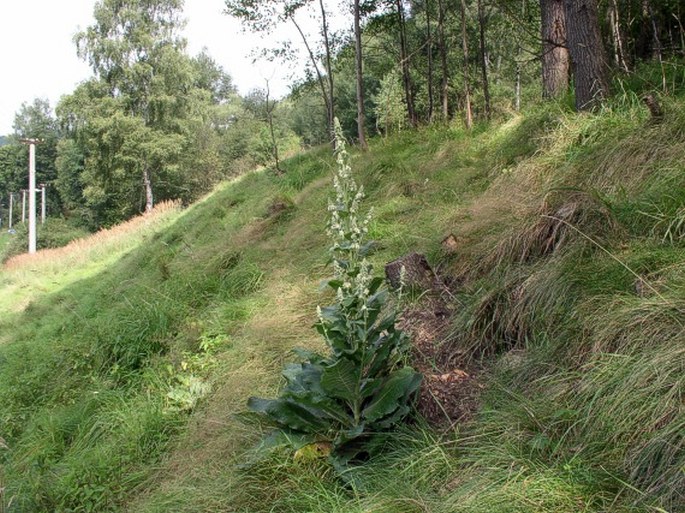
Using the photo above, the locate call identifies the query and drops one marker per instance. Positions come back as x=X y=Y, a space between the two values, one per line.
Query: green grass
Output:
x=578 y=322
x=5 y=238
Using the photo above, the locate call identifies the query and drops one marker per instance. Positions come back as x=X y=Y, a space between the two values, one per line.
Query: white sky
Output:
x=38 y=56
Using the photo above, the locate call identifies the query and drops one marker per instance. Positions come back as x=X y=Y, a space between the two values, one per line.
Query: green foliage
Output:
x=151 y=114
x=361 y=388
x=307 y=117
x=186 y=392
x=391 y=112
x=33 y=120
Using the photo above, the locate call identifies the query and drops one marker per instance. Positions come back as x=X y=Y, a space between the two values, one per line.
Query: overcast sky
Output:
x=39 y=56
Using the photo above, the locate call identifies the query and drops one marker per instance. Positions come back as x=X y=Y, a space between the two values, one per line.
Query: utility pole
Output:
x=11 y=205
x=32 y=192
x=42 y=203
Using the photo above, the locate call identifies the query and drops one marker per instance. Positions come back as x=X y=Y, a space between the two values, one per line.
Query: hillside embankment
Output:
x=559 y=327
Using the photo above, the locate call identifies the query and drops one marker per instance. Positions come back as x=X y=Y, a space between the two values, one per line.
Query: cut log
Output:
x=417 y=273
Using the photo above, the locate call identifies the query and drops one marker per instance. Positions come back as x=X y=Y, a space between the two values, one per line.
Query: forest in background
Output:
x=156 y=124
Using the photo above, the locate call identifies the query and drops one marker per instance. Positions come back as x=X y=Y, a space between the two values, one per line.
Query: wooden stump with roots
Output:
x=449 y=244
x=417 y=273
x=653 y=106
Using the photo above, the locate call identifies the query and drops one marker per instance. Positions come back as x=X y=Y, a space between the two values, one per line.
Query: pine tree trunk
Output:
x=319 y=76
x=360 y=77
x=467 y=88
x=483 y=59
x=404 y=57
x=270 y=120
x=517 y=88
x=555 y=57
x=681 y=29
x=429 y=36
x=587 y=53
x=648 y=16
x=442 y=48
x=656 y=42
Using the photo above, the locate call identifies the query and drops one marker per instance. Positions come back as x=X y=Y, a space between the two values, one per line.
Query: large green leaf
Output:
x=387 y=350
x=292 y=415
x=370 y=386
x=309 y=356
x=342 y=380
x=329 y=408
x=394 y=393
x=304 y=379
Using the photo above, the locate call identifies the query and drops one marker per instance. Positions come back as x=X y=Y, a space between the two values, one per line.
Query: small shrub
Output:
x=186 y=392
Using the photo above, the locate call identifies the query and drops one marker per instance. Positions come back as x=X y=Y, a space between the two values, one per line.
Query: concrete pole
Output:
x=23 y=206
x=11 y=205
x=42 y=203
x=32 y=197
x=32 y=192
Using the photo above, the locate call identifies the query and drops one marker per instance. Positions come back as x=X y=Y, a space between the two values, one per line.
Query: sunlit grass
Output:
x=25 y=277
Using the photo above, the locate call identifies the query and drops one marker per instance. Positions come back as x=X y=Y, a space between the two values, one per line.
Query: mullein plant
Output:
x=361 y=389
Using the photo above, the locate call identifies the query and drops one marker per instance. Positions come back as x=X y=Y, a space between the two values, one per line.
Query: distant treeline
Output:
x=155 y=123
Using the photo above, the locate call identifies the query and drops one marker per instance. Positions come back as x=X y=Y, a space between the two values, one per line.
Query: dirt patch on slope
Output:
x=451 y=388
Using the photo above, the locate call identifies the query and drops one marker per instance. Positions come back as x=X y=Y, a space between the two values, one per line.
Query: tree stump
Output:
x=449 y=244
x=653 y=106
x=417 y=274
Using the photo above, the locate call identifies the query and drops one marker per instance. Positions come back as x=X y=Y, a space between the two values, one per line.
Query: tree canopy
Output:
x=156 y=123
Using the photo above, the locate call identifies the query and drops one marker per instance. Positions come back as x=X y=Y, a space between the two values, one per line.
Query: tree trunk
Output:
x=149 y=203
x=467 y=88
x=360 y=78
x=270 y=119
x=648 y=15
x=429 y=36
x=517 y=88
x=329 y=72
x=587 y=53
x=319 y=76
x=483 y=59
x=617 y=37
x=442 y=49
x=411 y=271
x=555 y=58
x=681 y=29
x=656 y=42
x=404 y=58
x=519 y=60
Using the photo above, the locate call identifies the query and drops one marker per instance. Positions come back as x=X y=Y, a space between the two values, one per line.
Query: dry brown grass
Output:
x=557 y=221
x=104 y=241
x=627 y=166
x=512 y=199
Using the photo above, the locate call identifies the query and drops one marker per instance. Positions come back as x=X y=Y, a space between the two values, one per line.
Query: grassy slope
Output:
x=4 y=241
x=583 y=408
